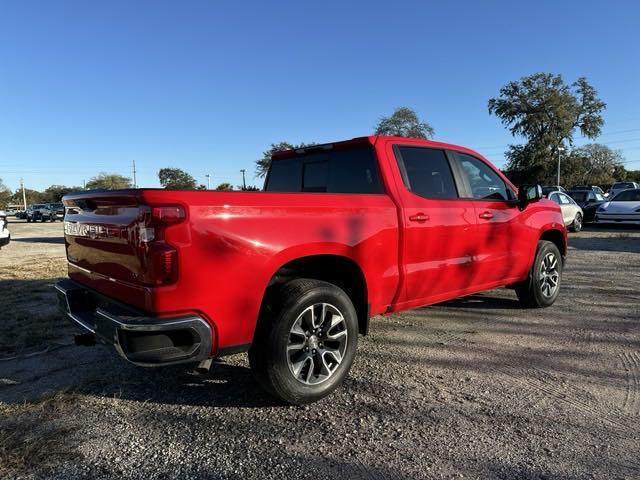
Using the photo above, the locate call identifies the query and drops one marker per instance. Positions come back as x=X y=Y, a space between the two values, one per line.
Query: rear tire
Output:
x=304 y=347
x=541 y=288
x=576 y=226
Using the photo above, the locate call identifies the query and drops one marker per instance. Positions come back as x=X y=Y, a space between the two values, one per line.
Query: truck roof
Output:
x=371 y=140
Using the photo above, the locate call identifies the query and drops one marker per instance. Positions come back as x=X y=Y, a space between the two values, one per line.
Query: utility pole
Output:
x=208 y=178
x=560 y=150
x=244 y=185
x=135 y=184
x=24 y=195
x=84 y=184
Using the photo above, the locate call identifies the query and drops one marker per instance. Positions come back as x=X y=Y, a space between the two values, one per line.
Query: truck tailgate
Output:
x=103 y=234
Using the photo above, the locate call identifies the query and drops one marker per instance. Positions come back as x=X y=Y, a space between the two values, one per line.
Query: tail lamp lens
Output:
x=163 y=264
x=168 y=215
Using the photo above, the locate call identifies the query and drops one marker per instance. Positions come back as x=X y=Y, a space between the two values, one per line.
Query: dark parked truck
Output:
x=292 y=275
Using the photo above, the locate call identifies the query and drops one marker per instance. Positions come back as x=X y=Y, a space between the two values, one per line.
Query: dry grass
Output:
x=29 y=315
x=36 y=436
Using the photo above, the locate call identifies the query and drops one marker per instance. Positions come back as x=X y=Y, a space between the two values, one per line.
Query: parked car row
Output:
x=589 y=203
x=43 y=212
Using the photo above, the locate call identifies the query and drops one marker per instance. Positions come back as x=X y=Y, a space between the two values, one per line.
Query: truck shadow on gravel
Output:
x=99 y=371
x=226 y=385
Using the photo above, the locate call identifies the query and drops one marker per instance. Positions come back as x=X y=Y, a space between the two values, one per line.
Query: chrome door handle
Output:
x=419 y=217
x=486 y=215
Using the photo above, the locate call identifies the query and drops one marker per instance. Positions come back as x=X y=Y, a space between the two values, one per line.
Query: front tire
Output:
x=303 y=349
x=542 y=287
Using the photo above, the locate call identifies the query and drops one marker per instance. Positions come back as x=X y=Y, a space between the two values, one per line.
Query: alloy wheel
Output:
x=549 y=275
x=317 y=343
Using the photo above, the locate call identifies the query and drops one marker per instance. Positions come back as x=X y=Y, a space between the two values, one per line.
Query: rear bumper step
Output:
x=142 y=340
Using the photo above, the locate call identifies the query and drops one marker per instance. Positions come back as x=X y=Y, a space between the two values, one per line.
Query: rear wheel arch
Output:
x=335 y=269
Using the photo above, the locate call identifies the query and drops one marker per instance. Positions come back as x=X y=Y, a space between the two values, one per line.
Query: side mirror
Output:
x=528 y=194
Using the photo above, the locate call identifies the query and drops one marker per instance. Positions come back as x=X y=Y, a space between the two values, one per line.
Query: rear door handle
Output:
x=486 y=215
x=419 y=217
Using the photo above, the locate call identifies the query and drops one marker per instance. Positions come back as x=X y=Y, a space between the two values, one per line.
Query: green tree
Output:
x=54 y=193
x=547 y=112
x=631 y=175
x=108 y=181
x=5 y=195
x=176 y=179
x=592 y=164
x=263 y=164
x=33 y=196
x=404 y=122
x=225 y=186
x=249 y=188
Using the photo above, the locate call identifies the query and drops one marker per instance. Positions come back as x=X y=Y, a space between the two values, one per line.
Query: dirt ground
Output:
x=473 y=388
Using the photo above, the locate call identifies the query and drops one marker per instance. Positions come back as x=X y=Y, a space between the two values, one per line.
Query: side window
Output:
x=426 y=172
x=599 y=197
x=564 y=200
x=554 y=197
x=485 y=183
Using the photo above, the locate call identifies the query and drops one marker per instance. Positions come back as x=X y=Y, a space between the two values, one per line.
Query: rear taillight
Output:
x=168 y=215
x=161 y=258
x=162 y=266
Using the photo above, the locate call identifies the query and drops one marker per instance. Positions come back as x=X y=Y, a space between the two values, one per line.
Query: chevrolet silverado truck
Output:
x=292 y=274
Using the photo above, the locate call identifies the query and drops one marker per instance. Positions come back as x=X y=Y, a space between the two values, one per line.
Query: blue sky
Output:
x=208 y=85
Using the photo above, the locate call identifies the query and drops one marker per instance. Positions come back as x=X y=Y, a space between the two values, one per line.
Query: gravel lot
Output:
x=474 y=388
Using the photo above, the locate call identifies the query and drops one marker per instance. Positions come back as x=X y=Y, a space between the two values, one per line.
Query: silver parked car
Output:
x=624 y=208
x=571 y=212
x=5 y=236
x=620 y=187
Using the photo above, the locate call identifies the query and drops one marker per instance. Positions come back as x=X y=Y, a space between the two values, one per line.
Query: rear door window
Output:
x=426 y=172
x=565 y=199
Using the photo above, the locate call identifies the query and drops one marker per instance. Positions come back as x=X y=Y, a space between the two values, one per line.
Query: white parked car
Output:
x=620 y=187
x=571 y=212
x=623 y=208
x=5 y=236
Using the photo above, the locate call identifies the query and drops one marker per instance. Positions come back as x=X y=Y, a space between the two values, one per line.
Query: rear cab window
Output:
x=347 y=170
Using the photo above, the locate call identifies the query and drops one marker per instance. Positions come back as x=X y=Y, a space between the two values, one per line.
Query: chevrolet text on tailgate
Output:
x=291 y=275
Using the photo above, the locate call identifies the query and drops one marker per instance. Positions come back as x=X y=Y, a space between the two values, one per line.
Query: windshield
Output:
x=620 y=185
x=627 y=196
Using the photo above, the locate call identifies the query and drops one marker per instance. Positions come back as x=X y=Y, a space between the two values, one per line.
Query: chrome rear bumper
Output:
x=143 y=340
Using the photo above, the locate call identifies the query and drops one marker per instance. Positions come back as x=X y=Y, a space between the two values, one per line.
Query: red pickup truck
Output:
x=292 y=275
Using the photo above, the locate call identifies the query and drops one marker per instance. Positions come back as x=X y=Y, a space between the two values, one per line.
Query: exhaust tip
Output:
x=204 y=366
